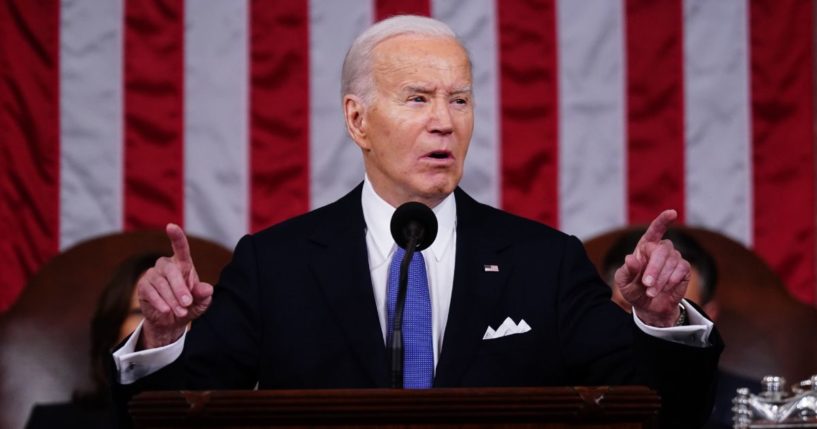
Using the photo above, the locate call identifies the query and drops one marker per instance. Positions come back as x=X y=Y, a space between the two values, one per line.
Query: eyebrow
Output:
x=428 y=90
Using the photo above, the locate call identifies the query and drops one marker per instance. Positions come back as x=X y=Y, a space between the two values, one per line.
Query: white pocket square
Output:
x=508 y=327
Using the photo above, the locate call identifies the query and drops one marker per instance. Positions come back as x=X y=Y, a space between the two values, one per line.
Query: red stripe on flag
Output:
x=782 y=67
x=386 y=8
x=154 y=122
x=528 y=67
x=279 y=111
x=29 y=137
x=655 y=108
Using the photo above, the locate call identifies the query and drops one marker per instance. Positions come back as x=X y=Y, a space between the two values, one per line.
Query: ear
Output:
x=354 y=113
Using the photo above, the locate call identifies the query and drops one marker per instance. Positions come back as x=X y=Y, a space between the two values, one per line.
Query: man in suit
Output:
x=304 y=304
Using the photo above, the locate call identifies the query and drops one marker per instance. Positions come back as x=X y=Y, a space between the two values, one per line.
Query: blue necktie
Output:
x=418 y=358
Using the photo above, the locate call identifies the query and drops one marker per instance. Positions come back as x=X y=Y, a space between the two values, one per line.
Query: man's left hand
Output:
x=654 y=277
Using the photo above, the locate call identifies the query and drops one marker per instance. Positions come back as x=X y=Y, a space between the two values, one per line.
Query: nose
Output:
x=440 y=121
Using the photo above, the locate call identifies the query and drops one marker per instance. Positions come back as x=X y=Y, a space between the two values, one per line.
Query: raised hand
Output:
x=170 y=294
x=655 y=276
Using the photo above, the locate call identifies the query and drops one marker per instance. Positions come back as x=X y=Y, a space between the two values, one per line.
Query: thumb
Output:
x=202 y=296
x=629 y=271
x=642 y=253
x=201 y=291
x=193 y=277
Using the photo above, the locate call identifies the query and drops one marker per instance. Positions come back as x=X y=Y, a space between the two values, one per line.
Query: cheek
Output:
x=464 y=128
x=385 y=133
x=128 y=326
x=398 y=145
x=694 y=288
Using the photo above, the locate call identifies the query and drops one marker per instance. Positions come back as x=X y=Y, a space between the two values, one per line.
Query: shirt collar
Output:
x=377 y=214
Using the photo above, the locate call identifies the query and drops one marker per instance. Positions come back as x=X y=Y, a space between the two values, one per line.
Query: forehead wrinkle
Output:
x=381 y=57
x=466 y=89
x=415 y=87
x=387 y=64
x=430 y=89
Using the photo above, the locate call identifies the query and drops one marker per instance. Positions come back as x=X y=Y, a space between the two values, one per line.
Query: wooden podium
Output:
x=555 y=407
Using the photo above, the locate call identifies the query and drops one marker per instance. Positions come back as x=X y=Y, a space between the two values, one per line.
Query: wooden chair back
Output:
x=45 y=336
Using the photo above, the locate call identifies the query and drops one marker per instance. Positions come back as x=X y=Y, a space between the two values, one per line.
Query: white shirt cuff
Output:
x=132 y=365
x=696 y=333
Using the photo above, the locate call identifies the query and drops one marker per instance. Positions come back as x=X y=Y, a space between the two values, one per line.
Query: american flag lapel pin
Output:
x=491 y=268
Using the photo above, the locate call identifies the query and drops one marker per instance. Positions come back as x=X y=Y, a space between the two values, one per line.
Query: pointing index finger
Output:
x=178 y=241
x=655 y=232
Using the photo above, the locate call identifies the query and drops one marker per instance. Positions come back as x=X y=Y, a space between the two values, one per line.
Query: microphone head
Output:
x=413 y=218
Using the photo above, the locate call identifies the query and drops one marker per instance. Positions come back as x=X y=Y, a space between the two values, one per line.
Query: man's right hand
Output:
x=170 y=294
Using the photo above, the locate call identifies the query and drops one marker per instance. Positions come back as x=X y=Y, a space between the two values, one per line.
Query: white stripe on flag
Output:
x=592 y=157
x=475 y=24
x=216 y=125
x=718 y=145
x=336 y=165
x=90 y=119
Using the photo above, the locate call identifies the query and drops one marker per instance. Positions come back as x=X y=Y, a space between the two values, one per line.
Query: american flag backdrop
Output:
x=224 y=116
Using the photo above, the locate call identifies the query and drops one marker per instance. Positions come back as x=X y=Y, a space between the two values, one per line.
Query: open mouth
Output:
x=439 y=154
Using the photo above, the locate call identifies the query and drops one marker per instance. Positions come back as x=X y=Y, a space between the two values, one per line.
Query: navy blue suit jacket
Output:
x=295 y=309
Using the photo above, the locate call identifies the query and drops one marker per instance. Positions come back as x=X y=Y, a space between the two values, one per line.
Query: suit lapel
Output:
x=340 y=264
x=475 y=290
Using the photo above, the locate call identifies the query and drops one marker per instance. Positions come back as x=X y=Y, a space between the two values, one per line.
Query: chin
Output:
x=439 y=190
x=430 y=188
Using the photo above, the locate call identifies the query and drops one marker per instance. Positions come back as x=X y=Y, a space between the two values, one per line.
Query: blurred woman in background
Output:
x=117 y=314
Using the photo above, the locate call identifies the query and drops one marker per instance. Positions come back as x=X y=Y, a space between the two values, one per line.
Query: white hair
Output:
x=356 y=77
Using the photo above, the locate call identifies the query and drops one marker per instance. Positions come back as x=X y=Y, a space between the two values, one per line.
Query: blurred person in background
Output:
x=117 y=314
x=701 y=290
x=704 y=272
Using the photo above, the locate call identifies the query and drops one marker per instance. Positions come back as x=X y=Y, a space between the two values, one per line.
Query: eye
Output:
x=417 y=99
x=460 y=101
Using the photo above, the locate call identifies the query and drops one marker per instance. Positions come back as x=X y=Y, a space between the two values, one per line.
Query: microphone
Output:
x=414 y=228
x=416 y=221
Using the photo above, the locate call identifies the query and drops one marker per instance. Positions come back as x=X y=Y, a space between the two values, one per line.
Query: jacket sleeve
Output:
x=221 y=349
x=603 y=346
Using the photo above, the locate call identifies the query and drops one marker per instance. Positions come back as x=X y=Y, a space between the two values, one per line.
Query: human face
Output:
x=132 y=319
x=694 y=290
x=415 y=132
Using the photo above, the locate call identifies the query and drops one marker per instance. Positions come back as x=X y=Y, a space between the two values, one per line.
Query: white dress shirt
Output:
x=439 y=258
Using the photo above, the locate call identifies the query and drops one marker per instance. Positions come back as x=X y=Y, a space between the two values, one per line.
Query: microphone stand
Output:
x=414 y=232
